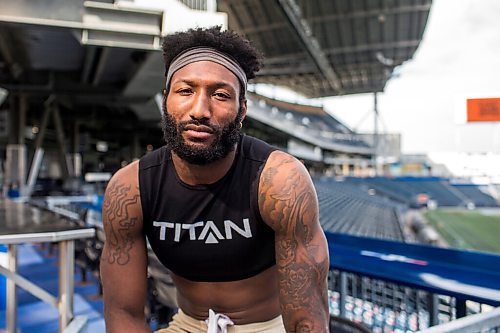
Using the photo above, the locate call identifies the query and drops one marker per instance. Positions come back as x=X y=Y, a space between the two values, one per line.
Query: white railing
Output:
x=481 y=322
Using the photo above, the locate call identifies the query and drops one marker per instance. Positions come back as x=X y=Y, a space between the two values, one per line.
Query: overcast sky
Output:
x=459 y=57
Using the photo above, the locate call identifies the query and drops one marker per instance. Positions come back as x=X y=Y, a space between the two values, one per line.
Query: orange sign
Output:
x=483 y=109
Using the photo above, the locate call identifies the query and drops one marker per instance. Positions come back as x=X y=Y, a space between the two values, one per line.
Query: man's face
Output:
x=202 y=113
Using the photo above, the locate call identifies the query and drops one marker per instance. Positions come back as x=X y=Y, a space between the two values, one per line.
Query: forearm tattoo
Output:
x=302 y=263
x=118 y=223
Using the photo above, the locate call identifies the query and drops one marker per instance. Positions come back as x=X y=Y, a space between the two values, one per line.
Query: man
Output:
x=234 y=220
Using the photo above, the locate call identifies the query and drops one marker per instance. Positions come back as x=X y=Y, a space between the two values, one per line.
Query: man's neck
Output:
x=193 y=174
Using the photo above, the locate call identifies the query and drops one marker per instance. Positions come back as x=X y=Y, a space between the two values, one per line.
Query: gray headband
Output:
x=206 y=54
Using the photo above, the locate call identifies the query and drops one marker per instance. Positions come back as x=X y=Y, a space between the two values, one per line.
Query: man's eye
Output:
x=185 y=91
x=222 y=95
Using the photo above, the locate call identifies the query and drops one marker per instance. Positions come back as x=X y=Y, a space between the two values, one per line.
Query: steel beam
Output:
x=372 y=13
x=287 y=70
x=9 y=55
x=263 y=28
x=373 y=46
x=96 y=23
x=299 y=24
x=66 y=168
x=88 y=63
x=287 y=58
x=22 y=109
x=101 y=65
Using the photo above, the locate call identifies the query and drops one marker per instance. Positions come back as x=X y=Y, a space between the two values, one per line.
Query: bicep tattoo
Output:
x=119 y=223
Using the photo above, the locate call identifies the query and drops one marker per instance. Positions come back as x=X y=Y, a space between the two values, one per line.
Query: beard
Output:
x=225 y=139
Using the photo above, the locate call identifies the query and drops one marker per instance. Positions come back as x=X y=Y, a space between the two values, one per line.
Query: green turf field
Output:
x=467 y=229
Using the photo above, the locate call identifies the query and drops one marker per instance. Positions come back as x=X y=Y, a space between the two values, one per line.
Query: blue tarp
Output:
x=468 y=275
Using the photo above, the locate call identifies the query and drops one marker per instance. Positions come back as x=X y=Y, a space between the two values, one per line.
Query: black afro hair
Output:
x=226 y=41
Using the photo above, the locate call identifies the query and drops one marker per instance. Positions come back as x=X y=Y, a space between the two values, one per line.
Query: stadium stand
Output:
x=345 y=208
x=437 y=189
x=477 y=195
x=384 y=187
x=306 y=120
x=407 y=189
x=307 y=132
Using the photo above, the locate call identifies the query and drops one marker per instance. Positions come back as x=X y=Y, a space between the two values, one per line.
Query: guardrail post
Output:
x=342 y=293
x=66 y=282
x=460 y=307
x=11 y=305
x=433 y=304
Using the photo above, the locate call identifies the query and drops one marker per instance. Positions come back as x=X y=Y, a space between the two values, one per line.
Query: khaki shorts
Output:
x=182 y=323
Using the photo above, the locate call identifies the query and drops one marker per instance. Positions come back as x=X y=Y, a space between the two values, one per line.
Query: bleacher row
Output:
x=345 y=208
x=441 y=190
x=481 y=199
x=374 y=207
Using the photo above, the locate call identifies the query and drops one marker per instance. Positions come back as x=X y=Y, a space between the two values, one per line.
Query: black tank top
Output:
x=210 y=232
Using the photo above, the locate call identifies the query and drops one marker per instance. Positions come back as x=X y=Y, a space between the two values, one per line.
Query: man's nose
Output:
x=201 y=107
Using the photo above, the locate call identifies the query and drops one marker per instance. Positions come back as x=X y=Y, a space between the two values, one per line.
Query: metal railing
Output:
x=385 y=306
x=77 y=325
x=395 y=287
x=488 y=322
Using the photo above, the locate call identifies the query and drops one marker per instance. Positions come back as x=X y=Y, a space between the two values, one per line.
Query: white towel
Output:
x=217 y=322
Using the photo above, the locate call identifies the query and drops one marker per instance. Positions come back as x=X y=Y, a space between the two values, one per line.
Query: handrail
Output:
x=481 y=322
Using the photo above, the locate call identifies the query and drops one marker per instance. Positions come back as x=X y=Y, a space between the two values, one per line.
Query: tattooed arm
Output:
x=124 y=257
x=288 y=203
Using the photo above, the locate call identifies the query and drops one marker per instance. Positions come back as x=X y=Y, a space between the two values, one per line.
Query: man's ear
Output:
x=164 y=98
x=243 y=109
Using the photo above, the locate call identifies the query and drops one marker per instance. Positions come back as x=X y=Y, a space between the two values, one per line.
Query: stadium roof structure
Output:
x=330 y=47
x=100 y=62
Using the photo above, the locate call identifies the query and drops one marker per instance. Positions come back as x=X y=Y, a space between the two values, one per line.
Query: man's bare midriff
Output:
x=245 y=301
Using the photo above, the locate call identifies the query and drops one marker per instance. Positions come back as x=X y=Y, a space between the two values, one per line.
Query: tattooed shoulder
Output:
x=284 y=184
x=122 y=221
